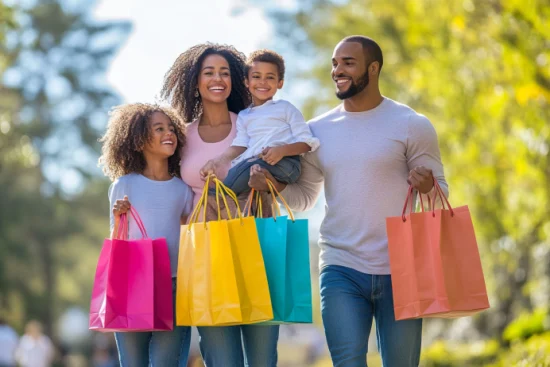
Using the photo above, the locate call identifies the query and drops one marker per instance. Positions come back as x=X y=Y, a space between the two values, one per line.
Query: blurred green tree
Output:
x=52 y=110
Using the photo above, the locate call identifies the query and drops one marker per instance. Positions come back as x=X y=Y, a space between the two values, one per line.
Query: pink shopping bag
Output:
x=133 y=283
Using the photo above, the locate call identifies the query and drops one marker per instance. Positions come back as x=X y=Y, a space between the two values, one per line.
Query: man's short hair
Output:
x=372 y=50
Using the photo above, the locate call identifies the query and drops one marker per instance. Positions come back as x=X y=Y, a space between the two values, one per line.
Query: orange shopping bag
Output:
x=434 y=261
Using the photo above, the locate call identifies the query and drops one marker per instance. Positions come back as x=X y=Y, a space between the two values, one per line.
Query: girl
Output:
x=141 y=154
x=206 y=86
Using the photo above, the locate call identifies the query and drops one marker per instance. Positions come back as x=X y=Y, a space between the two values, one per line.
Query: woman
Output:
x=206 y=86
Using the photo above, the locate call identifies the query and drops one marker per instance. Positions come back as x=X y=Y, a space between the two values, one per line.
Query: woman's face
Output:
x=214 y=79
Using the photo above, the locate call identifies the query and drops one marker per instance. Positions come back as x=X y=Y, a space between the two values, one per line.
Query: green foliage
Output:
x=7 y=23
x=527 y=325
x=535 y=352
x=6 y=20
x=440 y=354
x=53 y=108
x=530 y=347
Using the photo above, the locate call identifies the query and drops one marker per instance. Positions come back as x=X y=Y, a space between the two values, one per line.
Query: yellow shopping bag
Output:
x=221 y=275
x=249 y=266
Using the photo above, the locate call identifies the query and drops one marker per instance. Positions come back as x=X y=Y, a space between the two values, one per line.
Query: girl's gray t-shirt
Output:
x=160 y=205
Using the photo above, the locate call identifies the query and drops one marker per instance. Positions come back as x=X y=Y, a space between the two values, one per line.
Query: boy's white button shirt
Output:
x=274 y=123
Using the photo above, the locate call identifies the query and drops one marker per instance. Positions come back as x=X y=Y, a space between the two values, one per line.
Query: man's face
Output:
x=349 y=69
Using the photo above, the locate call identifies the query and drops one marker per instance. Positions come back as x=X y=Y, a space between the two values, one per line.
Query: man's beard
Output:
x=354 y=88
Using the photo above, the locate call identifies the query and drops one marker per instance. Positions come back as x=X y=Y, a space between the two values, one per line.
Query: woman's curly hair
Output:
x=181 y=81
x=128 y=132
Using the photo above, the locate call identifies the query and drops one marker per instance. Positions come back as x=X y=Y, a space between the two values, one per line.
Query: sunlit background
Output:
x=480 y=70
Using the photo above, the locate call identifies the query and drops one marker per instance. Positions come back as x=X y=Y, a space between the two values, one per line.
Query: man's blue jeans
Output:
x=349 y=302
x=159 y=348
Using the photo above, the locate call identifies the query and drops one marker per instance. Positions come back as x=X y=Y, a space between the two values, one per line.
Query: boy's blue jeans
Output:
x=349 y=301
x=287 y=171
x=159 y=348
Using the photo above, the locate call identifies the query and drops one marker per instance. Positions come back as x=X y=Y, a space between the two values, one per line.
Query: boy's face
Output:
x=163 y=140
x=263 y=81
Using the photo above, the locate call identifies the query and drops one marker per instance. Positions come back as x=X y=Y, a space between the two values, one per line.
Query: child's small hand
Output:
x=273 y=155
x=121 y=207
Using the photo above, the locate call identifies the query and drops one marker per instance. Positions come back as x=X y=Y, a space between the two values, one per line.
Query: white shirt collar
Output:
x=271 y=101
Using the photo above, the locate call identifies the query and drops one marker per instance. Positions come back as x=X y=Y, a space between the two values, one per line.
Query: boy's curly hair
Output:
x=127 y=133
x=269 y=56
x=181 y=81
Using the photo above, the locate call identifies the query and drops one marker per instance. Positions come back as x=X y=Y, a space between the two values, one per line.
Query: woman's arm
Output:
x=213 y=166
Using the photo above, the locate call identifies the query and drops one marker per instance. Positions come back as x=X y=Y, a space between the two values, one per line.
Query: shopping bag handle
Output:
x=247 y=211
x=196 y=211
x=224 y=190
x=259 y=214
x=123 y=226
x=221 y=190
x=204 y=200
x=255 y=195
x=409 y=200
x=438 y=192
x=274 y=194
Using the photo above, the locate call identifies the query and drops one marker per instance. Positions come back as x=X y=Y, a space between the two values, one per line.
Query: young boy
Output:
x=271 y=134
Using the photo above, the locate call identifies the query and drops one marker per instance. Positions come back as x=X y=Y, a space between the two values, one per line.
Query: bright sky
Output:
x=165 y=28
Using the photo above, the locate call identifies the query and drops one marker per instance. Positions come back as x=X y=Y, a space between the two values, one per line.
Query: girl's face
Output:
x=163 y=140
x=214 y=79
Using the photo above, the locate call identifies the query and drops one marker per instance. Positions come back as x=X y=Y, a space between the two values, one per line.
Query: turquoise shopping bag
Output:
x=285 y=248
x=273 y=242
x=298 y=302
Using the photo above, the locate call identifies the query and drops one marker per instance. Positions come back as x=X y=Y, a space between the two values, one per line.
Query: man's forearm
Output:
x=303 y=194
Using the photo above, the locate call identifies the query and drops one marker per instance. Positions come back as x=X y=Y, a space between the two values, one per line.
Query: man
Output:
x=371 y=149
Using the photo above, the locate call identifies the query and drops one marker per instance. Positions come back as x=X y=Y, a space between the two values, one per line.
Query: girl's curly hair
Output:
x=180 y=82
x=127 y=133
